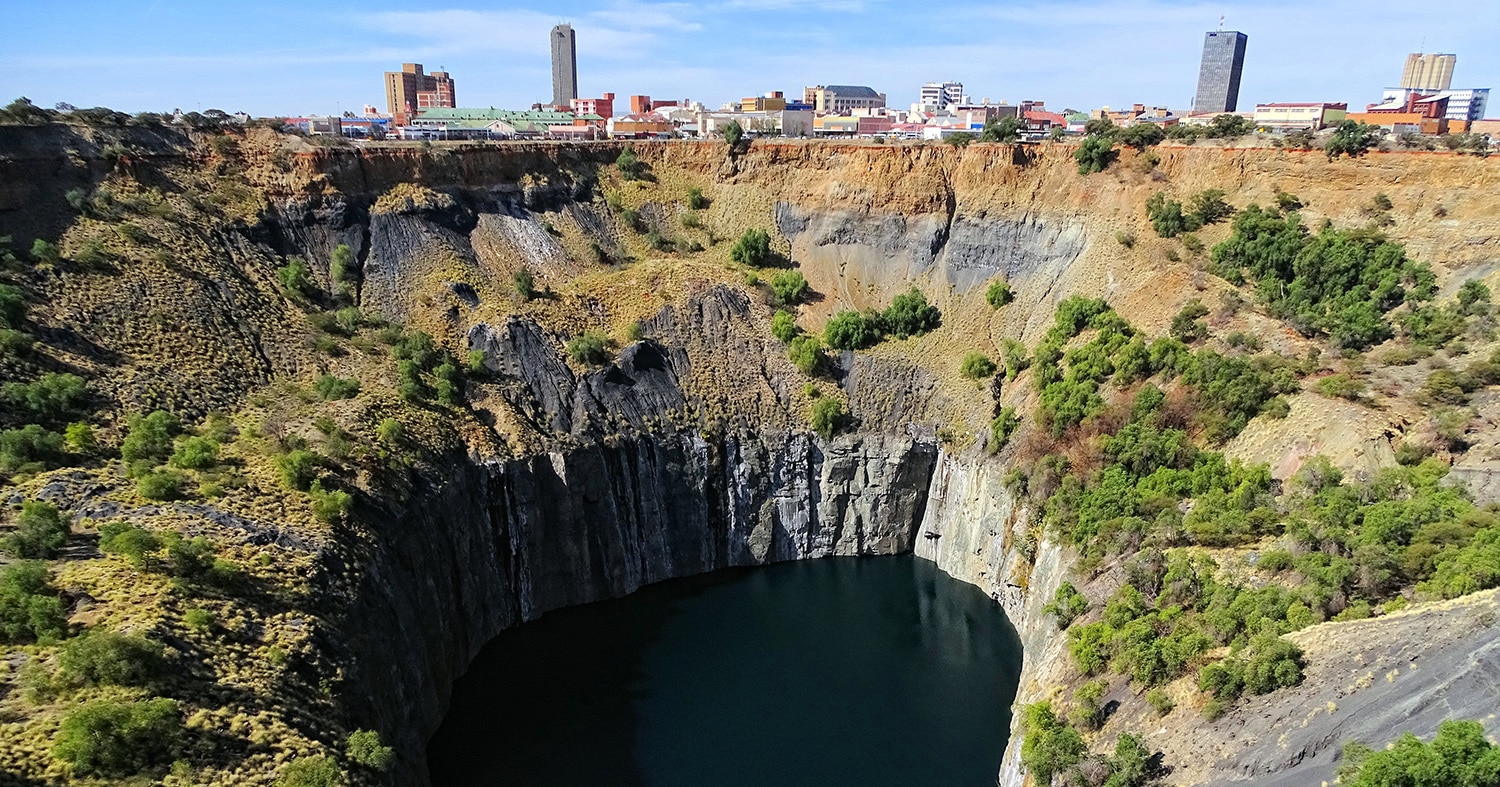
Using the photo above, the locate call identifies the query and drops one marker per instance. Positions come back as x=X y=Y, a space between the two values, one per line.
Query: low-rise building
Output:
x=1287 y=116
x=1401 y=122
x=644 y=126
x=1465 y=105
x=839 y=99
x=604 y=106
x=773 y=101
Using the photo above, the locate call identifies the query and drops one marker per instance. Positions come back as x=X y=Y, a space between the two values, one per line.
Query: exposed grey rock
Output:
x=495 y=545
x=962 y=251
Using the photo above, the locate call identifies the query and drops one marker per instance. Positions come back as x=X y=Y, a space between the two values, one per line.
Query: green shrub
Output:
x=163 y=485
x=318 y=771
x=12 y=306
x=106 y=658
x=909 y=315
x=343 y=270
x=976 y=366
x=41 y=531
x=417 y=347
x=1341 y=386
x=150 y=437
x=850 y=330
x=195 y=453
x=1049 y=745
x=51 y=397
x=364 y=748
x=298 y=468
x=589 y=348
x=295 y=278
x=1460 y=754
x=45 y=252
x=1352 y=139
x=1094 y=154
x=1002 y=427
x=1067 y=605
x=789 y=286
x=409 y=385
x=1273 y=663
x=349 y=320
x=1187 y=327
x=1160 y=702
x=999 y=294
x=1015 y=358
x=329 y=506
x=827 y=417
x=449 y=383
x=31 y=608
x=1088 y=714
x=696 y=200
x=79 y=439
x=753 y=248
x=199 y=619
x=630 y=165
x=390 y=432
x=807 y=353
x=784 y=326
x=15 y=344
x=131 y=542
x=117 y=739
x=477 y=365
x=1338 y=283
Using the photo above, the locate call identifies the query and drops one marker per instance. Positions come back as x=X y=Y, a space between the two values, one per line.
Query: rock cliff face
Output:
x=501 y=543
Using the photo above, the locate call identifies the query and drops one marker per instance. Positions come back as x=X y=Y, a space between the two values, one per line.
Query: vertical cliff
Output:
x=493 y=545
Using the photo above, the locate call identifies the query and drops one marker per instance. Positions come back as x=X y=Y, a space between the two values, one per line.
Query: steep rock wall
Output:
x=497 y=544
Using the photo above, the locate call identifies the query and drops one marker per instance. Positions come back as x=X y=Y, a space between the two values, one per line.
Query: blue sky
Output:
x=277 y=57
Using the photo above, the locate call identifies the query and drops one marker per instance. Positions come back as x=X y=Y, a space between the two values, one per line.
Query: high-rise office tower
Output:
x=1219 y=75
x=1428 y=72
x=564 y=66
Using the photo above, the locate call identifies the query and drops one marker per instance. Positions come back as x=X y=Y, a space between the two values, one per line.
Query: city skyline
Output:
x=287 y=60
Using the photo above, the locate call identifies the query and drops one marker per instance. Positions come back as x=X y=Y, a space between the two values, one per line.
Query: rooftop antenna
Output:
x=1221 y=23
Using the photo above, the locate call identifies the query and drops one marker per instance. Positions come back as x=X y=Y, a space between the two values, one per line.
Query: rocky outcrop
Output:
x=493 y=545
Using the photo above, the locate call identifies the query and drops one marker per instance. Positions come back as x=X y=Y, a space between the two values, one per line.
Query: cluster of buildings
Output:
x=423 y=105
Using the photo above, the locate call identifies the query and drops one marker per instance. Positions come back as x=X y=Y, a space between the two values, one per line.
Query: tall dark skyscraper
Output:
x=564 y=66
x=1219 y=76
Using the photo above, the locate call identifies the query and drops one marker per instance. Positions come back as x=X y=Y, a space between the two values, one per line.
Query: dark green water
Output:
x=852 y=671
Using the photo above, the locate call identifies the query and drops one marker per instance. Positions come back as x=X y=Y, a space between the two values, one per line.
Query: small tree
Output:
x=589 y=348
x=784 y=326
x=1352 y=139
x=116 y=739
x=999 y=294
x=752 y=248
x=1006 y=130
x=977 y=366
x=364 y=748
x=1094 y=154
x=910 y=315
x=850 y=330
x=1142 y=135
x=696 y=200
x=525 y=284
x=630 y=166
x=1186 y=326
x=959 y=139
x=734 y=133
x=827 y=417
x=319 y=771
x=40 y=532
x=789 y=286
x=807 y=353
x=295 y=278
